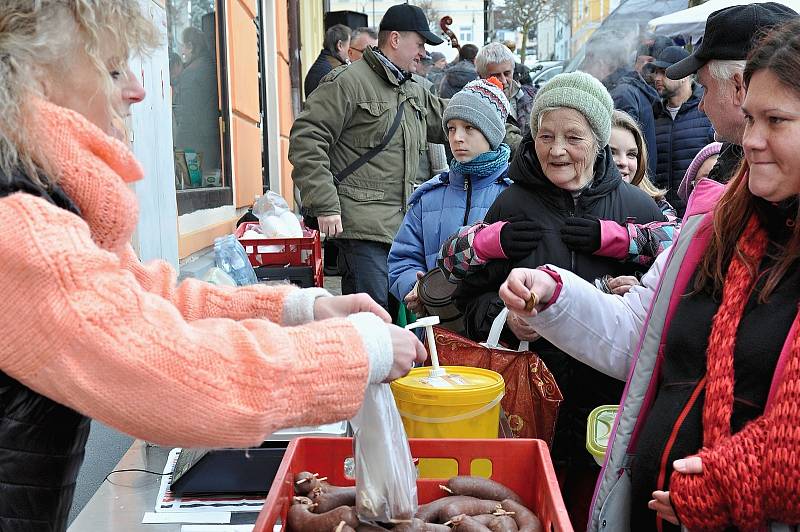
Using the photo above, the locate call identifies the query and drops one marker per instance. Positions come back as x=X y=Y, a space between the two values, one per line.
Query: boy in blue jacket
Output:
x=475 y=124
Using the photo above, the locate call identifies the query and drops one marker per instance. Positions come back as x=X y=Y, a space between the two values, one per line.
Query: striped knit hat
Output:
x=482 y=104
x=579 y=91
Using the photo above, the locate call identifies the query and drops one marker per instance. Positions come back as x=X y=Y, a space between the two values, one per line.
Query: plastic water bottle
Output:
x=230 y=257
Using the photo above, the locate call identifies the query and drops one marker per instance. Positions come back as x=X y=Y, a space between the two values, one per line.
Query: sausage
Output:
x=503 y=523
x=301 y=519
x=480 y=488
x=328 y=497
x=526 y=519
x=369 y=527
x=305 y=482
x=469 y=507
x=343 y=527
x=430 y=512
x=465 y=523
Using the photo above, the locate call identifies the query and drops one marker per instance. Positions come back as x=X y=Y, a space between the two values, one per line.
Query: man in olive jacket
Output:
x=350 y=112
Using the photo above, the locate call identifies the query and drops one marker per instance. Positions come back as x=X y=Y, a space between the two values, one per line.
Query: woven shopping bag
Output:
x=532 y=398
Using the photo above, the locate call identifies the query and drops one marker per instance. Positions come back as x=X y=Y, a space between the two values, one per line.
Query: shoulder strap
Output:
x=372 y=152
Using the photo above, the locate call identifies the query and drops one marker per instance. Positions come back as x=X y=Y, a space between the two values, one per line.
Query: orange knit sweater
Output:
x=89 y=326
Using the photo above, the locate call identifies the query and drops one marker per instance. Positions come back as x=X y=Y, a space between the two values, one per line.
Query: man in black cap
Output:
x=682 y=129
x=719 y=62
x=356 y=146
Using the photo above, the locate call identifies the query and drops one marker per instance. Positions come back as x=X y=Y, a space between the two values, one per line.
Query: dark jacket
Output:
x=326 y=61
x=41 y=442
x=730 y=158
x=456 y=77
x=533 y=196
x=633 y=95
x=678 y=142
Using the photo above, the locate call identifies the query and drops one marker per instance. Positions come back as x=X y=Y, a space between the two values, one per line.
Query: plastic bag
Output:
x=218 y=277
x=276 y=220
x=386 y=479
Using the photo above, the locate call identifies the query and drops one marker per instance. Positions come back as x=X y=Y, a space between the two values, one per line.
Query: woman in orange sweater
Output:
x=90 y=331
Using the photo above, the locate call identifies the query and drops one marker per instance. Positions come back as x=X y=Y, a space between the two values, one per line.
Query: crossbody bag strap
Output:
x=372 y=152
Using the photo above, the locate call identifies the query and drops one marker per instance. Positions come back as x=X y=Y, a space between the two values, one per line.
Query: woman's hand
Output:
x=622 y=284
x=663 y=507
x=343 y=306
x=521 y=329
x=692 y=465
x=521 y=283
x=407 y=349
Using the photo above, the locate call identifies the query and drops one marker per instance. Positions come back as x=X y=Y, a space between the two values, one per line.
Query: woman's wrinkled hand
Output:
x=622 y=284
x=521 y=329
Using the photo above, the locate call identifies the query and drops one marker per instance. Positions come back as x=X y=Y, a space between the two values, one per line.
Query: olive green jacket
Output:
x=350 y=111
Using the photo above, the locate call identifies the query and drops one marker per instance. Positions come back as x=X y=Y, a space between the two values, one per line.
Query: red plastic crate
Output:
x=520 y=464
x=303 y=251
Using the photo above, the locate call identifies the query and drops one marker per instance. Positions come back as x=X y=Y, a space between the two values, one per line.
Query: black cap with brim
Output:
x=406 y=17
x=730 y=35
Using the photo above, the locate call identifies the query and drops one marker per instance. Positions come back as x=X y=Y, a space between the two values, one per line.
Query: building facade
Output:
x=587 y=15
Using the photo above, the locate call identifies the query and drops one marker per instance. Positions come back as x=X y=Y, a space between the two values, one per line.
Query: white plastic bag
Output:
x=386 y=479
x=275 y=218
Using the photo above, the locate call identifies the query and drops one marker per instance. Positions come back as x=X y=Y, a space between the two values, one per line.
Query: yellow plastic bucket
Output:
x=464 y=403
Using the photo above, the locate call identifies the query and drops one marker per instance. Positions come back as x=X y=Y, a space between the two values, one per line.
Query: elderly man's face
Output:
x=504 y=72
x=359 y=44
x=722 y=103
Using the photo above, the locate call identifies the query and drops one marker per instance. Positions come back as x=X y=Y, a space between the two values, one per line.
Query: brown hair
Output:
x=622 y=120
x=779 y=52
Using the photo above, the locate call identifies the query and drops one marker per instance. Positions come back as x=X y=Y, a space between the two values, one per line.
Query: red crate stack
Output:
x=302 y=251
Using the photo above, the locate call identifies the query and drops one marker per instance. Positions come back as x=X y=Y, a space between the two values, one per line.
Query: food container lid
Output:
x=460 y=385
x=598 y=430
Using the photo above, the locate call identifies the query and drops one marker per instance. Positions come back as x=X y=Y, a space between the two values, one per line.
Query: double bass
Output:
x=444 y=23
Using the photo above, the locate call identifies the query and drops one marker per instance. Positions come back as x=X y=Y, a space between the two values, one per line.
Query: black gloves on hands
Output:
x=581 y=234
x=519 y=237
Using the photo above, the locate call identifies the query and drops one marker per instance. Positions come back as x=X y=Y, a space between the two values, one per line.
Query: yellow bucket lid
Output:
x=461 y=385
x=598 y=430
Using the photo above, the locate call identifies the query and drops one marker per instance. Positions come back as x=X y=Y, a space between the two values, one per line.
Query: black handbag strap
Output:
x=372 y=152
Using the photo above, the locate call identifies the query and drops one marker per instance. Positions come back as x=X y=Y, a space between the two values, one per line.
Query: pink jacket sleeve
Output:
x=86 y=334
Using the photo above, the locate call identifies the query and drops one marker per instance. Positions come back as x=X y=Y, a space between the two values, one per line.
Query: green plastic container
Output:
x=598 y=430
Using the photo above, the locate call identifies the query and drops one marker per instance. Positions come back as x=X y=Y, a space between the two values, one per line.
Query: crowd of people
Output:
x=639 y=220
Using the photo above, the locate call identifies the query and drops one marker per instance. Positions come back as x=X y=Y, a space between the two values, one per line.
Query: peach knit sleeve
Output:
x=86 y=334
x=196 y=299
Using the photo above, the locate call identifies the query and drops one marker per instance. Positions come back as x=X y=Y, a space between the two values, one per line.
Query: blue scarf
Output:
x=484 y=164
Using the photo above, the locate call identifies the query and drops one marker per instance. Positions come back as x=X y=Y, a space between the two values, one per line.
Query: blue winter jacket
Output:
x=678 y=142
x=633 y=95
x=437 y=209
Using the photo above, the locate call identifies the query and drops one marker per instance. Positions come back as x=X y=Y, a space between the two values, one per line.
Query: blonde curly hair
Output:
x=39 y=40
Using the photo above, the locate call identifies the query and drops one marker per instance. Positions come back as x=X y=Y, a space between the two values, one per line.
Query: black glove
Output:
x=581 y=234
x=519 y=237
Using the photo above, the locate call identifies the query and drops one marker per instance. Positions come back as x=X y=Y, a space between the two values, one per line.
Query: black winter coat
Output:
x=455 y=77
x=633 y=95
x=534 y=197
x=678 y=142
x=326 y=61
x=41 y=441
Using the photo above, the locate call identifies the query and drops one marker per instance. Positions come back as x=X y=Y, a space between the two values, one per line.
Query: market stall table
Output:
x=120 y=504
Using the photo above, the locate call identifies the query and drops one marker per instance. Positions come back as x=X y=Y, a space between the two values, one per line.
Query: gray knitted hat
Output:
x=481 y=103
x=579 y=91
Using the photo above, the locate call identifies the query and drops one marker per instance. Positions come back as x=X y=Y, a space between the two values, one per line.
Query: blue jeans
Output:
x=363 y=266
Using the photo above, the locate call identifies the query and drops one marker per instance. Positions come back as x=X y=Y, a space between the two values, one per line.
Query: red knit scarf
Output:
x=736 y=291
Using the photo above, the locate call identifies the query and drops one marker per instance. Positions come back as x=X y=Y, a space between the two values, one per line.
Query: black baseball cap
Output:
x=669 y=56
x=405 y=17
x=731 y=33
x=655 y=45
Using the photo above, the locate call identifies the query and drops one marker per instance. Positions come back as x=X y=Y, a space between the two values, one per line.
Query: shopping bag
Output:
x=532 y=396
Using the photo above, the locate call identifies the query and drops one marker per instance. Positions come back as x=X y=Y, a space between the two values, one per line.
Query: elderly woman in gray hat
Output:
x=564 y=180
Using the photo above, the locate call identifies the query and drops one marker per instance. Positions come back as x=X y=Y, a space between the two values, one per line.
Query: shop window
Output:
x=198 y=140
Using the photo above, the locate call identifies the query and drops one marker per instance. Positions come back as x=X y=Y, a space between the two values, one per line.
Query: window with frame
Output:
x=200 y=176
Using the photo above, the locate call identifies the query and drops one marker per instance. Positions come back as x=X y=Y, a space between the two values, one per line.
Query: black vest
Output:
x=41 y=441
